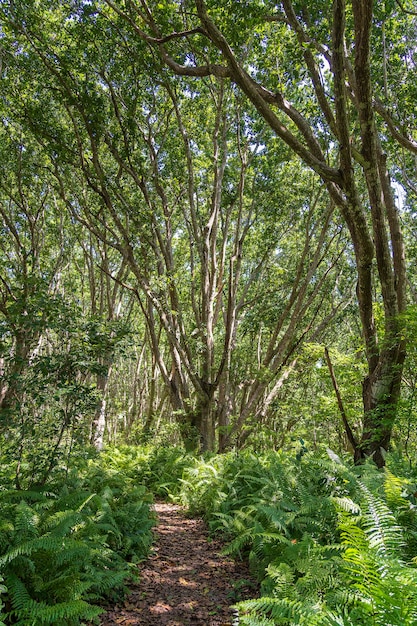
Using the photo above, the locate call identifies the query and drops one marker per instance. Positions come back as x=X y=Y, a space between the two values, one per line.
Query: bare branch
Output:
x=181 y=35
x=406 y=142
x=402 y=7
x=348 y=430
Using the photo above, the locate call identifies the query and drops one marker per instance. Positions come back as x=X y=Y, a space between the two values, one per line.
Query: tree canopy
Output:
x=199 y=198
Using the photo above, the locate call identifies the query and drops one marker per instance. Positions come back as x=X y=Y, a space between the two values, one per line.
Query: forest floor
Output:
x=186 y=580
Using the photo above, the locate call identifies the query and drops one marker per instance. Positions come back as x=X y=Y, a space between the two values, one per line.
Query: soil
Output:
x=186 y=580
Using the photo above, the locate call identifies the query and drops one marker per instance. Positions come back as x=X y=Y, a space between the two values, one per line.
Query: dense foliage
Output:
x=69 y=545
x=235 y=183
x=332 y=545
x=208 y=242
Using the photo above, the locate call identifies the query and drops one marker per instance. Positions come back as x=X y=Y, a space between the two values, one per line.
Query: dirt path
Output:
x=186 y=581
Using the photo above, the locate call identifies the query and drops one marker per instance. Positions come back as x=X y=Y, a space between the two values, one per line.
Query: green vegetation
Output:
x=208 y=243
x=331 y=544
x=238 y=204
x=70 y=544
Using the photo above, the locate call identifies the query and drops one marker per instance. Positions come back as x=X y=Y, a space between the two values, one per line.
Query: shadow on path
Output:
x=186 y=581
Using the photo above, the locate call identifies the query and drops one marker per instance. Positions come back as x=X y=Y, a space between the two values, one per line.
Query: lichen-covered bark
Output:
x=381 y=388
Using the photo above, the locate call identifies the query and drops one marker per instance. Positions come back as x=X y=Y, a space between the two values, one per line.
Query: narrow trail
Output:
x=186 y=581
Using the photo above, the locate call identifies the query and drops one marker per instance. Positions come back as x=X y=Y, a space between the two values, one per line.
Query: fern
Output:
x=60 y=554
x=19 y=595
x=26 y=521
x=386 y=587
x=281 y=611
x=41 y=544
x=63 y=614
x=323 y=541
x=400 y=496
x=382 y=530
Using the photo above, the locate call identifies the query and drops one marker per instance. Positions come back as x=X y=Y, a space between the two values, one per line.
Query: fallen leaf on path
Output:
x=186 y=581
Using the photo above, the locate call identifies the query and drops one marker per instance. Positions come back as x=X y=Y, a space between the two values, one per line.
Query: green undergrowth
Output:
x=331 y=544
x=72 y=544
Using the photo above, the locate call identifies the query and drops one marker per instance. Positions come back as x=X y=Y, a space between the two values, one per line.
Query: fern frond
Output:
x=107 y=583
x=239 y=543
x=66 y=586
x=380 y=525
x=61 y=523
x=16 y=495
x=253 y=620
x=45 y=543
x=73 y=553
x=282 y=610
x=26 y=522
x=18 y=593
x=61 y=614
x=346 y=504
x=394 y=489
x=283 y=577
x=71 y=501
x=275 y=516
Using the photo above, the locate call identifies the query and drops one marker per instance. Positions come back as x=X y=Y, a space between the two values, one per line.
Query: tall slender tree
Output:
x=308 y=70
x=183 y=199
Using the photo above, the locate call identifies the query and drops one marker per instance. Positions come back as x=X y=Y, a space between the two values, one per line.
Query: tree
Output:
x=57 y=341
x=35 y=248
x=308 y=70
x=187 y=207
x=304 y=69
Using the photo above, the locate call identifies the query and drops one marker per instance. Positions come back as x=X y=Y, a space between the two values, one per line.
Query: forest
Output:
x=208 y=295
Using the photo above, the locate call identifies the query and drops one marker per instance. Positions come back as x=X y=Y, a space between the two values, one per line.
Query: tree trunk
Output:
x=98 y=426
x=380 y=393
x=10 y=386
x=206 y=409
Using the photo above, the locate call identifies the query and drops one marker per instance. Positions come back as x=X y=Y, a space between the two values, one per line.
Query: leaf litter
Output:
x=186 y=581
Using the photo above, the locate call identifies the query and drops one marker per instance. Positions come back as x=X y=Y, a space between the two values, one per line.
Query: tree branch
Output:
x=348 y=430
x=406 y=142
x=404 y=9
x=256 y=96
